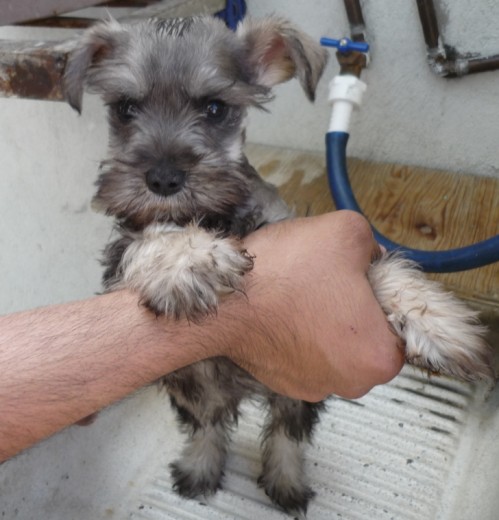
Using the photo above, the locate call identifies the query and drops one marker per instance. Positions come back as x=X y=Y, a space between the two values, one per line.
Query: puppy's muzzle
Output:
x=165 y=181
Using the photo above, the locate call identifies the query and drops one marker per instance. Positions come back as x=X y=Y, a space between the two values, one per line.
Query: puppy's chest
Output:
x=235 y=226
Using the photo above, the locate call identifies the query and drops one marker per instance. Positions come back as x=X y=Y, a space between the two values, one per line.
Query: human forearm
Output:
x=72 y=360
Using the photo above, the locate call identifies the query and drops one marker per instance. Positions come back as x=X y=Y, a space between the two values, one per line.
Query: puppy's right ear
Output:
x=95 y=44
x=277 y=51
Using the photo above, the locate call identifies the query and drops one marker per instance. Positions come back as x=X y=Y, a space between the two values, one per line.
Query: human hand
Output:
x=315 y=329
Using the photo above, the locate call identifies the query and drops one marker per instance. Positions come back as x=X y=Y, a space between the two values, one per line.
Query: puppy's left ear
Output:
x=277 y=51
x=95 y=45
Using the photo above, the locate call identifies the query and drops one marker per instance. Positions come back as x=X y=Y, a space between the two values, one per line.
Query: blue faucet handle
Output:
x=345 y=45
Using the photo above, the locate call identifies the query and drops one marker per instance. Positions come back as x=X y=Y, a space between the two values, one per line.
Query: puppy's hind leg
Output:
x=199 y=471
x=207 y=412
x=441 y=333
x=289 y=427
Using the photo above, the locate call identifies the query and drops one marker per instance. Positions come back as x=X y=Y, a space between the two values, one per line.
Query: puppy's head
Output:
x=177 y=92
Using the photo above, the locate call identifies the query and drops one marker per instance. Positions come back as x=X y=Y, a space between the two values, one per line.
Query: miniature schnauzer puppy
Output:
x=183 y=194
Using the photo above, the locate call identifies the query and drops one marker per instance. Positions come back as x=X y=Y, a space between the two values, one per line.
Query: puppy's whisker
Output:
x=123 y=162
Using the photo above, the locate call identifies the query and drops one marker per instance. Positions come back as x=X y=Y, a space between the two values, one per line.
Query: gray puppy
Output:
x=183 y=193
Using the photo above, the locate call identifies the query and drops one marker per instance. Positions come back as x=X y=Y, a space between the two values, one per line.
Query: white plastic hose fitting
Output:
x=345 y=94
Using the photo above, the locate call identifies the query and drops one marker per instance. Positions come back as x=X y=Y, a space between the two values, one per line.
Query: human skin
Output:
x=307 y=326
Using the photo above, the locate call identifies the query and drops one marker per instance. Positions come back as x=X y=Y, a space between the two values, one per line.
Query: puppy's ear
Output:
x=95 y=44
x=277 y=51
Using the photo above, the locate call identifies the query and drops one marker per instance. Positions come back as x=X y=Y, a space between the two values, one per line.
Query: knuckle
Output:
x=357 y=393
x=356 y=225
x=317 y=396
x=387 y=369
x=355 y=231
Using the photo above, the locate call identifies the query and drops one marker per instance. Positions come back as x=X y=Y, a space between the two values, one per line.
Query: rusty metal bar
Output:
x=32 y=69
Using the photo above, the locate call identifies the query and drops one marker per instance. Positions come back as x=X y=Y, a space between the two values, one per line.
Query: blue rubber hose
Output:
x=234 y=12
x=452 y=260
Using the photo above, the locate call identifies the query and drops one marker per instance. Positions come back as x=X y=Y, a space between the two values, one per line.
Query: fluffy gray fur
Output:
x=183 y=193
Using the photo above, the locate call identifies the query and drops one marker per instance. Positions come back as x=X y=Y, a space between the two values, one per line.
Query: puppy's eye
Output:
x=215 y=110
x=126 y=109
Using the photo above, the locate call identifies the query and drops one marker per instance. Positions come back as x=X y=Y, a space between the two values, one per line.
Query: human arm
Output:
x=308 y=326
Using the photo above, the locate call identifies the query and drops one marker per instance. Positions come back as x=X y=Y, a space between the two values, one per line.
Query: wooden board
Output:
x=417 y=207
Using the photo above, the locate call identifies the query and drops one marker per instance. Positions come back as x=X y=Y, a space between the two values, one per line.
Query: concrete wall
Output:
x=50 y=238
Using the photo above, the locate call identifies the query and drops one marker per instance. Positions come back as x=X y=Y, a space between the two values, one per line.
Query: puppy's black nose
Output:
x=165 y=181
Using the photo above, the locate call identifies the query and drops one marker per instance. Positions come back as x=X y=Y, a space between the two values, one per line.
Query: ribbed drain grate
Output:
x=386 y=456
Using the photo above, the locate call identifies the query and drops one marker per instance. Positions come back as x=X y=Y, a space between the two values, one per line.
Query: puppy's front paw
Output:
x=184 y=271
x=442 y=334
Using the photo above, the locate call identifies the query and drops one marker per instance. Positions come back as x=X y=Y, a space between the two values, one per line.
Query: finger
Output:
x=377 y=251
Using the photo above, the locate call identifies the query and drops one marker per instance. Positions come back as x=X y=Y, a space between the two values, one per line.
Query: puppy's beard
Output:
x=210 y=193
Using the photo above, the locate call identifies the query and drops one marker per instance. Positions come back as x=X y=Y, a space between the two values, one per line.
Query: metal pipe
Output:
x=353 y=62
x=429 y=23
x=355 y=19
x=438 y=56
x=483 y=64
